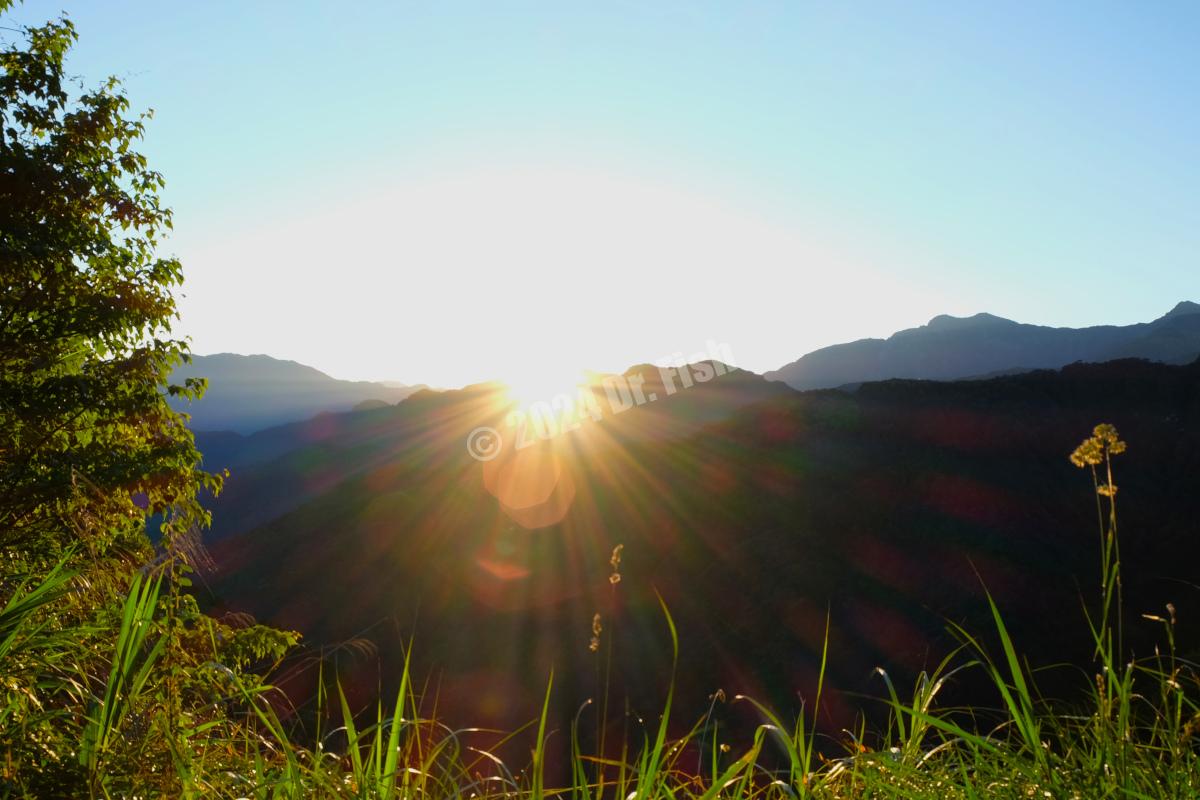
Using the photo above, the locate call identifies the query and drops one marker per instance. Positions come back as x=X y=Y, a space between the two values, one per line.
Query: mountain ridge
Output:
x=952 y=348
x=248 y=393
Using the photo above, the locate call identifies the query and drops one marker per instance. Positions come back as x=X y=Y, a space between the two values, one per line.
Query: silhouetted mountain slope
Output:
x=275 y=470
x=889 y=508
x=249 y=393
x=953 y=347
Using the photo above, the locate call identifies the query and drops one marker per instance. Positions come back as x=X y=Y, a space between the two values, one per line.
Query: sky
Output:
x=443 y=192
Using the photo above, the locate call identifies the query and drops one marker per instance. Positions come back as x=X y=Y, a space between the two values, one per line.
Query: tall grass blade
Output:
x=128 y=674
x=539 y=751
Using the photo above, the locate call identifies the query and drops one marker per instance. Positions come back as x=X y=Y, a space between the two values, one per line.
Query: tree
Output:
x=89 y=450
x=89 y=446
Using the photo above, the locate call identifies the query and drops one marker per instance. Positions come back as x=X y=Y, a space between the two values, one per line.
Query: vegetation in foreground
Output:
x=114 y=684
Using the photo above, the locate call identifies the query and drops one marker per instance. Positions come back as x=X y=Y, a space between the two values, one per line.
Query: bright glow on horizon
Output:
x=532 y=275
x=543 y=383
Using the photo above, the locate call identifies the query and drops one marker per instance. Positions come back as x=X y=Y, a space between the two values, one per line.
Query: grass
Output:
x=80 y=718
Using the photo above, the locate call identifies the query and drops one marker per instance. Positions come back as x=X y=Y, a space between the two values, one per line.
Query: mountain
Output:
x=249 y=393
x=752 y=510
x=278 y=469
x=949 y=348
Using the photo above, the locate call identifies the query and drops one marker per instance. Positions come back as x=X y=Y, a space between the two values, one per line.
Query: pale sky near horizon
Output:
x=448 y=192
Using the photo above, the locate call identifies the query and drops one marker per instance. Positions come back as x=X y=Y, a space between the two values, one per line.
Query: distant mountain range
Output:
x=751 y=507
x=249 y=393
x=754 y=511
x=950 y=348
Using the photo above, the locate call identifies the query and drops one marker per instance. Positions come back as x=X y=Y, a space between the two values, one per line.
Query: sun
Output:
x=543 y=383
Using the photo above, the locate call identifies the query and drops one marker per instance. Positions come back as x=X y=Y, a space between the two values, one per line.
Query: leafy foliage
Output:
x=102 y=654
x=88 y=443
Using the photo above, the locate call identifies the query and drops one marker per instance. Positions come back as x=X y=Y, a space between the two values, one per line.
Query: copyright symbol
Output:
x=484 y=443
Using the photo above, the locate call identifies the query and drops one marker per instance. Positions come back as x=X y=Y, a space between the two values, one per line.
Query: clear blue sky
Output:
x=448 y=192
